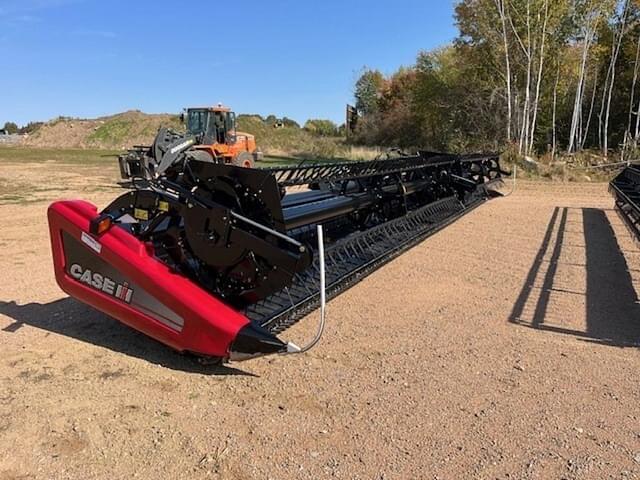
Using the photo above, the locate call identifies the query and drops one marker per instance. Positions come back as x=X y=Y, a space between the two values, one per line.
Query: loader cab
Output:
x=213 y=125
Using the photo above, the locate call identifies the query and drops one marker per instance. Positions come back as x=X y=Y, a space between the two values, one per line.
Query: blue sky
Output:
x=86 y=58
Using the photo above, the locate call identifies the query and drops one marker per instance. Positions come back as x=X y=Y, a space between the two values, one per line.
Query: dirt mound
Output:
x=122 y=130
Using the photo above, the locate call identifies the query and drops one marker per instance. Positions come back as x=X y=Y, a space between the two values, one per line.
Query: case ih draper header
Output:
x=217 y=260
x=625 y=188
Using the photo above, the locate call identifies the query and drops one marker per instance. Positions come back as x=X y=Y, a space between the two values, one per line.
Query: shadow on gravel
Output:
x=612 y=309
x=73 y=319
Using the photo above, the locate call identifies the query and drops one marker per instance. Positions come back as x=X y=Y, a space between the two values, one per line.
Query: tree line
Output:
x=315 y=126
x=12 y=128
x=537 y=76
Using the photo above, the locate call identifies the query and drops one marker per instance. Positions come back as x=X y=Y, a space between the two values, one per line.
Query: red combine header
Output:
x=218 y=260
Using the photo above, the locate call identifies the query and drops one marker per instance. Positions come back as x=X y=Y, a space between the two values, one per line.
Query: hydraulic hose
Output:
x=293 y=348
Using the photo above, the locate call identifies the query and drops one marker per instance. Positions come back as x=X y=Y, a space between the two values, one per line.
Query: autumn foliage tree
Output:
x=536 y=75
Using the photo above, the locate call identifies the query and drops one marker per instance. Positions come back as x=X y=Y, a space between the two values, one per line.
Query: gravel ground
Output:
x=505 y=346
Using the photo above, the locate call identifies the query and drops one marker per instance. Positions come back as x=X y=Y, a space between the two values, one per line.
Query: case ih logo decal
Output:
x=101 y=282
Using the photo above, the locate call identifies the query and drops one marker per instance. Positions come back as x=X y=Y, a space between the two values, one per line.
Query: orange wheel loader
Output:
x=210 y=136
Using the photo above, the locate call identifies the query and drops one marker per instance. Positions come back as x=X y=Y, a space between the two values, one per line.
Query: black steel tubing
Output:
x=321 y=211
x=306 y=208
x=299 y=198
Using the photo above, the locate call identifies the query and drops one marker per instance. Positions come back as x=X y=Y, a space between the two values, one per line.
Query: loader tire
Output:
x=202 y=156
x=243 y=159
